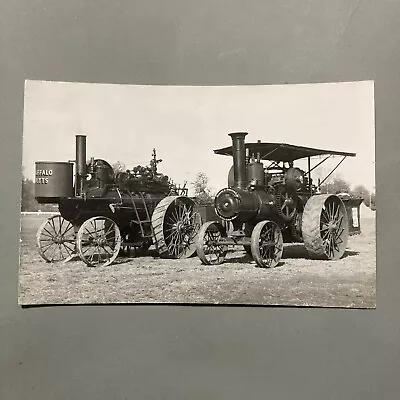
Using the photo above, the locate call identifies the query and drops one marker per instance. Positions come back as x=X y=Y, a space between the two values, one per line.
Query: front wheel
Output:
x=209 y=247
x=56 y=239
x=98 y=241
x=267 y=244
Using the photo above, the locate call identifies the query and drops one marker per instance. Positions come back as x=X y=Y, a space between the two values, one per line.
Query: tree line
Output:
x=339 y=185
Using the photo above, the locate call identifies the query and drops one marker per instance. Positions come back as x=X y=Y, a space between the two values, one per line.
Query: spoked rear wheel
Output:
x=175 y=225
x=325 y=227
x=56 y=239
x=209 y=247
x=267 y=244
x=98 y=241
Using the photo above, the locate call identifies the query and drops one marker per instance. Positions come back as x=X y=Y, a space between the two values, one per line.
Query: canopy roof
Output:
x=282 y=151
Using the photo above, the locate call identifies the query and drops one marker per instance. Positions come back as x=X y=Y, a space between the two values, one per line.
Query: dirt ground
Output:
x=297 y=281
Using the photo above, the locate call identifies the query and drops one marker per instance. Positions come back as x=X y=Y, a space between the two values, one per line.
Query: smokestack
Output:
x=80 y=164
x=239 y=159
x=80 y=155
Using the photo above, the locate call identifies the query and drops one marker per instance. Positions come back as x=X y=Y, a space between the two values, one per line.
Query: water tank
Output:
x=53 y=180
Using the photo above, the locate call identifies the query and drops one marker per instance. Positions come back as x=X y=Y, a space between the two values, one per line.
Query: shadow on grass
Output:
x=122 y=259
x=247 y=259
x=299 y=251
x=350 y=253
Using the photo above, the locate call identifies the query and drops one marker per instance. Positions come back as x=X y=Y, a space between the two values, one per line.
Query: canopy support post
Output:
x=315 y=166
x=334 y=169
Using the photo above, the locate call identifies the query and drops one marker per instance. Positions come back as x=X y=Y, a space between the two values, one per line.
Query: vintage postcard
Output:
x=236 y=195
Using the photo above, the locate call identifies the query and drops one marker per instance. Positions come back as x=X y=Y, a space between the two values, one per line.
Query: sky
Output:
x=186 y=123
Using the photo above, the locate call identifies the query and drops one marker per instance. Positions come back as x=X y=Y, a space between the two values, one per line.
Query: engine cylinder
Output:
x=54 y=180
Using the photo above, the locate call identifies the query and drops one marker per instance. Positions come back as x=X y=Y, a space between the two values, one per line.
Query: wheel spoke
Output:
x=69 y=227
x=45 y=247
x=69 y=251
x=338 y=236
x=329 y=210
x=46 y=236
x=60 y=247
x=99 y=253
x=336 y=214
x=326 y=234
x=174 y=242
x=324 y=216
x=52 y=224
x=50 y=234
x=110 y=229
x=52 y=254
x=171 y=232
x=61 y=225
x=110 y=235
x=339 y=222
x=332 y=208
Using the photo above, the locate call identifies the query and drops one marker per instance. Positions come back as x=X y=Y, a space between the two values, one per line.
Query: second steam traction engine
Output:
x=103 y=211
x=265 y=207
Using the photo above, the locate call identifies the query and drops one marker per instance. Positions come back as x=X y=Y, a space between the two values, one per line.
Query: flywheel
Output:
x=175 y=227
x=286 y=203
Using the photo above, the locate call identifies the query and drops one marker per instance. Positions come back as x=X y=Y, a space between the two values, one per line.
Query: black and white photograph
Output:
x=210 y=195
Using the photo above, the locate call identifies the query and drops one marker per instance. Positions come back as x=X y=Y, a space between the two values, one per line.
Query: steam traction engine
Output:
x=107 y=211
x=266 y=207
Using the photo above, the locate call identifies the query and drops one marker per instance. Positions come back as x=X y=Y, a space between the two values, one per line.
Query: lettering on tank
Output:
x=42 y=176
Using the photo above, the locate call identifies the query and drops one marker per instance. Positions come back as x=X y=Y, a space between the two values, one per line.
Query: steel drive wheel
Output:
x=267 y=244
x=175 y=226
x=325 y=227
x=209 y=247
x=98 y=241
x=56 y=239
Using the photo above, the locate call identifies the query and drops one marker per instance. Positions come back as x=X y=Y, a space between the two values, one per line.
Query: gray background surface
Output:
x=161 y=352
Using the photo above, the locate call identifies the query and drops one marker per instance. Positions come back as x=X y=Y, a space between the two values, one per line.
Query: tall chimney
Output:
x=80 y=163
x=80 y=154
x=239 y=159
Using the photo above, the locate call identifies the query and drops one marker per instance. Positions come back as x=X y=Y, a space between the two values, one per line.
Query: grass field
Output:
x=298 y=281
